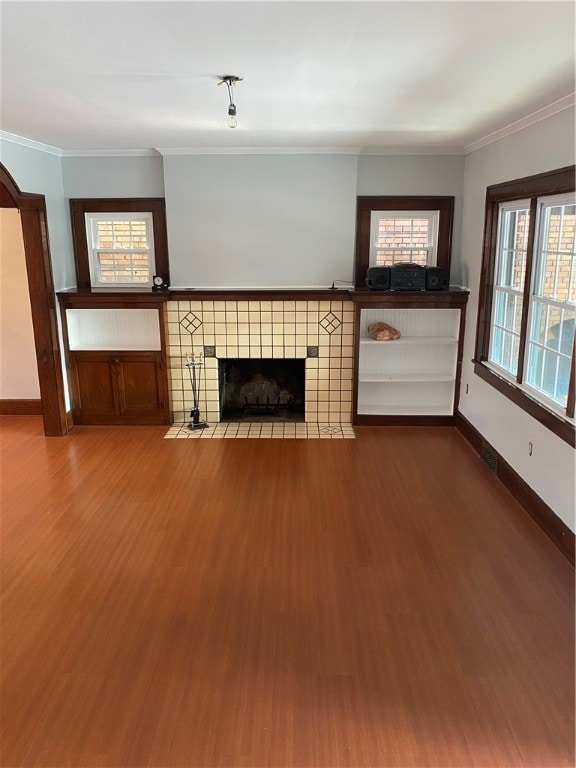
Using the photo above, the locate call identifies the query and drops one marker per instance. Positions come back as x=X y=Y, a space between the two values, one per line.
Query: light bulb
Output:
x=232 y=122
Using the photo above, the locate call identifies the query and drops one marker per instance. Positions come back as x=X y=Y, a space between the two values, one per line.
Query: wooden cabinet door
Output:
x=142 y=390
x=93 y=388
x=119 y=388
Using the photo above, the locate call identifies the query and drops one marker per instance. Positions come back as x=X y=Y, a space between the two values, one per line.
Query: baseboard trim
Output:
x=538 y=510
x=21 y=407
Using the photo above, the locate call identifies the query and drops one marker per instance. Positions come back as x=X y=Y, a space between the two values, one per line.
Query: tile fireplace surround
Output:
x=320 y=332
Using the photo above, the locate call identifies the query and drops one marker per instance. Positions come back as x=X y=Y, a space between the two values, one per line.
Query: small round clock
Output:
x=158 y=283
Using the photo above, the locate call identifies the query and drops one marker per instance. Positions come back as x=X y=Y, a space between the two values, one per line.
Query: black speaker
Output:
x=378 y=278
x=437 y=279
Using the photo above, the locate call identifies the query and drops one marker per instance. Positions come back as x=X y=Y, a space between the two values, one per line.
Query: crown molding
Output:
x=411 y=151
x=541 y=114
x=24 y=142
x=258 y=150
x=110 y=153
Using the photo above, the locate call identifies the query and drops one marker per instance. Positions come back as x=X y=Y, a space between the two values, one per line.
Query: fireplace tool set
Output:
x=195 y=363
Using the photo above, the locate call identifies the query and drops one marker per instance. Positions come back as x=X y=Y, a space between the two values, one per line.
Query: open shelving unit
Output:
x=413 y=379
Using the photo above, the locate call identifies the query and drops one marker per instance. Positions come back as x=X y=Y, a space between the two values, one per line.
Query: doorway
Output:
x=32 y=210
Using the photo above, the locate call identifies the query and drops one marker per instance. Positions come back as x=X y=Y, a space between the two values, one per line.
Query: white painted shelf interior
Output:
x=113 y=329
x=415 y=374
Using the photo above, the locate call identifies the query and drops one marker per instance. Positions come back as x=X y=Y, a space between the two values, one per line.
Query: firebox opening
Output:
x=261 y=390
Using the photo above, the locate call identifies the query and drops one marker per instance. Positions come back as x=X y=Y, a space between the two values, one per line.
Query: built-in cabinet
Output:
x=116 y=358
x=118 y=388
x=413 y=379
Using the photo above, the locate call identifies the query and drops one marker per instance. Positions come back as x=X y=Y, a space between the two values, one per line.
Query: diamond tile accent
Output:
x=330 y=322
x=190 y=322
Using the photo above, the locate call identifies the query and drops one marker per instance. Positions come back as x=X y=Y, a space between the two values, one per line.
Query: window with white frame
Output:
x=552 y=312
x=120 y=249
x=509 y=275
x=527 y=314
x=403 y=236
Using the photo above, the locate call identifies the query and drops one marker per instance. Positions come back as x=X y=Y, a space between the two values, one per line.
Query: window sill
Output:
x=559 y=425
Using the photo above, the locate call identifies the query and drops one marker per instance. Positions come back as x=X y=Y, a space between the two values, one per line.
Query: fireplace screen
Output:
x=261 y=390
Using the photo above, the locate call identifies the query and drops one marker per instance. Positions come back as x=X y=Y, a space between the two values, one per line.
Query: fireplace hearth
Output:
x=262 y=390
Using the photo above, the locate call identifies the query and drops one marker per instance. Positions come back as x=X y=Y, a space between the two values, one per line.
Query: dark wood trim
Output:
x=257 y=294
x=366 y=204
x=553 y=182
x=572 y=384
x=539 y=511
x=455 y=297
x=154 y=205
x=120 y=300
x=32 y=209
x=402 y=421
x=21 y=407
x=144 y=299
x=527 y=288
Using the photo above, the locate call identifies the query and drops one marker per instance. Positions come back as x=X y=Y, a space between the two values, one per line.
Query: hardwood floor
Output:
x=375 y=602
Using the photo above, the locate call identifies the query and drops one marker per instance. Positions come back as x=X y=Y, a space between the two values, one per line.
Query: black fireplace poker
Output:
x=193 y=364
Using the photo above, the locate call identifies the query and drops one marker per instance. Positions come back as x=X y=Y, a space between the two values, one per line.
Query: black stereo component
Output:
x=437 y=279
x=406 y=276
x=378 y=278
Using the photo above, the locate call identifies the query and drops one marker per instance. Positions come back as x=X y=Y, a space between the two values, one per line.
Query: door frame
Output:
x=32 y=210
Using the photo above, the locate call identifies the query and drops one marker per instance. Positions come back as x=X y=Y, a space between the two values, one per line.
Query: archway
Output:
x=42 y=300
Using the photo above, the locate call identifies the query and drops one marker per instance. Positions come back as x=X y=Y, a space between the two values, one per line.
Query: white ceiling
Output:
x=338 y=76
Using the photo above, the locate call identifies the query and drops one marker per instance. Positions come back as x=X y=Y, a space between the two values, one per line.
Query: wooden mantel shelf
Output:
x=454 y=297
x=71 y=299
x=148 y=298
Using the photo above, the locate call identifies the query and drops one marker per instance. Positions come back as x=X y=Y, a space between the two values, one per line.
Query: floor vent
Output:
x=489 y=457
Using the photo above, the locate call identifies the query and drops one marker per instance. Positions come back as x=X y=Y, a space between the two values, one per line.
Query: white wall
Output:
x=137 y=176
x=432 y=175
x=260 y=220
x=41 y=173
x=550 y=471
x=18 y=368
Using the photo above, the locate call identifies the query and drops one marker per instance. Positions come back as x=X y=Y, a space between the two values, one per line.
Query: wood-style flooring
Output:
x=382 y=601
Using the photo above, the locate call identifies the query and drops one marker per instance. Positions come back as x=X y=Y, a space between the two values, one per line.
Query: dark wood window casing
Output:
x=555 y=182
x=80 y=207
x=367 y=204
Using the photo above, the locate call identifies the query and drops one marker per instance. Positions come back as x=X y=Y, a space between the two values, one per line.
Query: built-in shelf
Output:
x=404 y=410
x=411 y=340
x=413 y=379
x=404 y=377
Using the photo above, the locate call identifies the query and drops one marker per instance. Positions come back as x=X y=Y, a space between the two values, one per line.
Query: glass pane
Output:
x=548 y=384
x=500 y=307
x=512 y=248
x=534 y=365
x=116 y=267
x=555 y=263
x=495 y=355
x=561 y=334
x=386 y=258
x=563 y=380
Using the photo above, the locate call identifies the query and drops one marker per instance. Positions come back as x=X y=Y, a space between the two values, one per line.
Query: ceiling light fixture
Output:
x=231 y=80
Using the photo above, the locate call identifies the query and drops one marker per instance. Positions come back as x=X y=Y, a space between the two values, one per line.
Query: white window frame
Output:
x=509 y=291
x=432 y=216
x=92 y=220
x=551 y=201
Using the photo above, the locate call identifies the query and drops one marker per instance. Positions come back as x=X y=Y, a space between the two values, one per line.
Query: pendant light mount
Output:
x=231 y=81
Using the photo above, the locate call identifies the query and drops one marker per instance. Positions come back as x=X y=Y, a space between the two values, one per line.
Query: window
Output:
x=395 y=229
x=120 y=249
x=403 y=236
x=119 y=243
x=525 y=342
